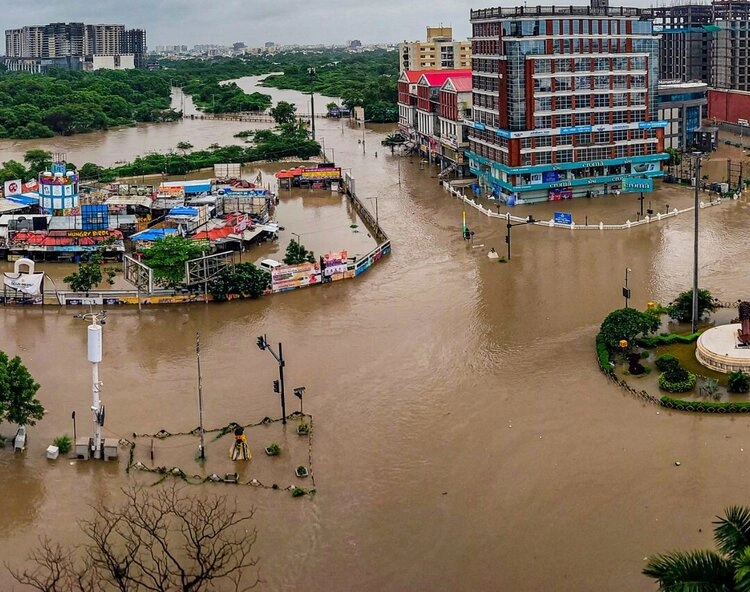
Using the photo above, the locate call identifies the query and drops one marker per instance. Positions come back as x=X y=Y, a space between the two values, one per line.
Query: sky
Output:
x=254 y=22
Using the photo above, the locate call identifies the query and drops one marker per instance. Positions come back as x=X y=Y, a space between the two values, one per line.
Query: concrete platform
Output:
x=719 y=349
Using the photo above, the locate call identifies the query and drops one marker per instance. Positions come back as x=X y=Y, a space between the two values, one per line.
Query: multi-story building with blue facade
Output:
x=564 y=100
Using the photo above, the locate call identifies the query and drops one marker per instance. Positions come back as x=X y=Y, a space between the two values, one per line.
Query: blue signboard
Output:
x=629 y=184
x=563 y=218
x=550 y=176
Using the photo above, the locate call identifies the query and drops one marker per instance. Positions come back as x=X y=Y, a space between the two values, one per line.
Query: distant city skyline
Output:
x=285 y=22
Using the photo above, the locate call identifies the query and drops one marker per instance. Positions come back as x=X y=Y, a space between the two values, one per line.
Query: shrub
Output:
x=603 y=354
x=274 y=449
x=666 y=361
x=667 y=339
x=63 y=443
x=682 y=308
x=705 y=406
x=645 y=354
x=739 y=382
x=677 y=380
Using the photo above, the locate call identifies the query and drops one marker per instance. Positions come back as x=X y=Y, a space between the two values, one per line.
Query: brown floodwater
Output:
x=464 y=438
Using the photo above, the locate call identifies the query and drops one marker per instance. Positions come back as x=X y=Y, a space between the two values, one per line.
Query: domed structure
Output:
x=727 y=348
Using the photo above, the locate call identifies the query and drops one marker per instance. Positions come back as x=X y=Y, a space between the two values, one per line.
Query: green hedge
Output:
x=705 y=406
x=656 y=340
x=602 y=353
x=681 y=386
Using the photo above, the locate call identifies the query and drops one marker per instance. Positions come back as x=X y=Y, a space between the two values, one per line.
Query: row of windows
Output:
x=586 y=139
x=600 y=118
x=567 y=26
x=485 y=83
x=587 y=64
x=563 y=156
x=568 y=102
x=563 y=82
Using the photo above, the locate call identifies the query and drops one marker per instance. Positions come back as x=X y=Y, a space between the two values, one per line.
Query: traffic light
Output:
x=261 y=342
x=276 y=386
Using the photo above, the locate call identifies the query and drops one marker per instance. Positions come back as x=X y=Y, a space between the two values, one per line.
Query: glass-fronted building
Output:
x=564 y=101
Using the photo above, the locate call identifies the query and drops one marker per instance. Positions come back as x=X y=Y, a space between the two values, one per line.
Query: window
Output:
x=525 y=142
x=620 y=135
x=601 y=82
x=583 y=139
x=541 y=66
x=543 y=104
x=583 y=101
x=581 y=64
x=565 y=140
x=563 y=121
x=620 y=64
x=543 y=158
x=601 y=137
x=620 y=81
x=562 y=65
x=544 y=142
x=601 y=64
x=638 y=63
x=543 y=122
x=563 y=103
x=564 y=156
x=583 y=83
x=601 y=100
x=620 y=99
x=601 y=118
x=562 y=83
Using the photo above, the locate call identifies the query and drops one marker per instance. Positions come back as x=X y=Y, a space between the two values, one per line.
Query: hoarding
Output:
x=321 y=174
x=335 y=263
x=290 y=277
x=637 y=185
x=563 y=218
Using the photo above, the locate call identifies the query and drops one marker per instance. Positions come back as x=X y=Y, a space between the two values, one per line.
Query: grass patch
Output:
x=685 y=355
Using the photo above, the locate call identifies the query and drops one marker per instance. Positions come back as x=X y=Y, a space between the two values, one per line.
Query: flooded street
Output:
x=464 y=438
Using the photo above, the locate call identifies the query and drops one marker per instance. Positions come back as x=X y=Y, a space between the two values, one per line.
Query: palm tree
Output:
x=724 y=570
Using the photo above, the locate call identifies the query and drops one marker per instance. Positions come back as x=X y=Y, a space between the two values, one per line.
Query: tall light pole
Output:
x=626 y=290
x=95 y=356
x=277 y=386
x=297 y=235
x=695 y=242
x=202 y=452
x=311 y=72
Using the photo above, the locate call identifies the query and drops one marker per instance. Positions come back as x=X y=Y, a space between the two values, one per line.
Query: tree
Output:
x=184 y=146
x=681 y=309
x=627 y=323
x=90 y=274
x=675 y=157
x=167 y=258
x=37 y=160
x=159 y=540
x=284 y=112
x=244 y=279
x=17 y=393
x=12 y=169
x=296 y=253
x=725 y=570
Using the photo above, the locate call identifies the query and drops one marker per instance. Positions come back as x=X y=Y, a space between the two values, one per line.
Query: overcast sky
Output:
x=223 y=22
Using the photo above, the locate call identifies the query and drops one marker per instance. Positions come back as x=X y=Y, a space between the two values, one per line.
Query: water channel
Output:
x=464 y=438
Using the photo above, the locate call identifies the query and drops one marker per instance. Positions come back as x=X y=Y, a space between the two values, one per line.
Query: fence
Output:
x=552 y=224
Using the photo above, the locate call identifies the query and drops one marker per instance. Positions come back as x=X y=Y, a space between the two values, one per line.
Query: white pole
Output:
x=95 y=356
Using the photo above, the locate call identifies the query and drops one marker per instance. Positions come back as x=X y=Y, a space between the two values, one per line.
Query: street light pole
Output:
x=626 y=290
x=695 y=242
x=311 y=72
x=263 y=344
x=297 y=235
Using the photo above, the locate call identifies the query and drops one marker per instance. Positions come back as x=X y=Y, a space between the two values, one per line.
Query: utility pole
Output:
x=695 y=242
x=311 y=72
x=202 y=452
x=95 y=356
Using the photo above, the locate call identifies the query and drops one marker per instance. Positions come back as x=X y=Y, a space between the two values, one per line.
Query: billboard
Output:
x=335 y=264
x=630 y=184
x=312 y=174
x=290 y=277
x=13 y=187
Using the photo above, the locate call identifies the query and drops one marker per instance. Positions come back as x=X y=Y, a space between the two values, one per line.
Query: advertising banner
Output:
x=630 y=185
x=13 y=187
x=290 y=277
x=335 y=263
x=321 y=174
x=560 y=194
x=28 y=283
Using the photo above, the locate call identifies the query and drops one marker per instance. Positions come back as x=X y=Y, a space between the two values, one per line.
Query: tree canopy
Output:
x=90 y=274
x=167 y=257
x=159 y=539
x=18 y=402
x=297 y=253
x=725 y=570
x=244 y=280
x=681 y=308
x=627 y=324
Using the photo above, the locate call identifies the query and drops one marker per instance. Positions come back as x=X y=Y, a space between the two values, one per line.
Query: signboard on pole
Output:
x=631 y=185
x=563 y=218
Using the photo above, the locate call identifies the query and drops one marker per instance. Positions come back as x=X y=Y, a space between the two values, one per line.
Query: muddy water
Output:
x=464 y=438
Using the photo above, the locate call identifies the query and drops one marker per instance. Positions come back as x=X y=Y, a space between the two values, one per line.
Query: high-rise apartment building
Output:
x=72 y=45
x=564 y=100
x=439 y=52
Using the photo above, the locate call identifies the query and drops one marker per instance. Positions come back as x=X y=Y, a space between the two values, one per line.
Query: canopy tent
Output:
x=153 y=234
x=130 y=200
x=190 y=187
x=182 y=212
x=27 y=199
x=7 y=205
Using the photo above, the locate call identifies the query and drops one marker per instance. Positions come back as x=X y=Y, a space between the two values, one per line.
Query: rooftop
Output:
x=537 y=11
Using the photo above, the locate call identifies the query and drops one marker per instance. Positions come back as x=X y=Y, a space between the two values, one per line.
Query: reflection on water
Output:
x=462 y=428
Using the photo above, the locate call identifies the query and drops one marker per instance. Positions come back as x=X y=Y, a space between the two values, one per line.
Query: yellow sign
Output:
x=322 y=174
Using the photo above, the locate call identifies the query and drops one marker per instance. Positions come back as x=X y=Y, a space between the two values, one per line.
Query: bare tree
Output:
x=159 y=540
